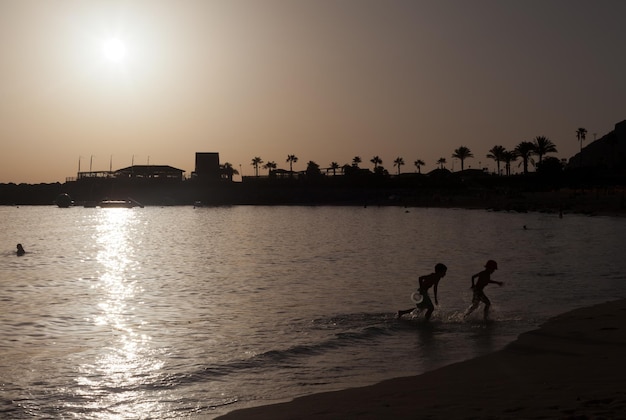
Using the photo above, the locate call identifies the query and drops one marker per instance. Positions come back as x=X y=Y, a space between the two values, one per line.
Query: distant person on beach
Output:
x=425 y=283
x=484 y=278
x=20 y=250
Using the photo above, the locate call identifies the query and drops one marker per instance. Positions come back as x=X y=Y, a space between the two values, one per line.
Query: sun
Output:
x=114 y=49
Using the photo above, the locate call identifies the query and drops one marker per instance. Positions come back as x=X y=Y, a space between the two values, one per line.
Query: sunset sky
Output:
x=325 y=80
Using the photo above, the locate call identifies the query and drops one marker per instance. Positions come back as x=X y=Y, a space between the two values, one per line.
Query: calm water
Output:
x=175 y=312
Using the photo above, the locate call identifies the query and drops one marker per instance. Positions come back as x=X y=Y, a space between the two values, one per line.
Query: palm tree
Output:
x=441 y=162
x=543 y=146
x=256 y=162
x=312 y=169
x=581 y=134
x=376 y=161
x=355 y=161
x=462 y=153
x=228 y=170
x=334 y=166
x=418 y=164
x=398 y=162
x=497 y=153
x=269 y=166
x=291 y=159
x=525 y=150
x=508 y=157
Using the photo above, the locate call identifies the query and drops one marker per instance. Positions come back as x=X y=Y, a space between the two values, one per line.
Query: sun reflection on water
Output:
x=112 y=381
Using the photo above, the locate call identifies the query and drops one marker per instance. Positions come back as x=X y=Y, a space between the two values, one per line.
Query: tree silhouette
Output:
x=508 y=157
x=355 y=161
x=550 y=168
x=269 y=166
x=497 y=153
x=256 y=162
x=313 y=169
x=398 y=162
x=542 y=146
x=462 y=153
x=525 y=150
x=334 y=166
x=228 y=170
x=418 y=164
x=376 y=161
x=441 y=162
x=291 y=159
x=380 y=171
x=581 y=134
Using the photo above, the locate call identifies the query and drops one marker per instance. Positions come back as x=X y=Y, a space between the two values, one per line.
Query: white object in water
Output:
x=417 y=297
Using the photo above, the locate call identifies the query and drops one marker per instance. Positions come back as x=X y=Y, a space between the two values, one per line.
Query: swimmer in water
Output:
x=20 y=250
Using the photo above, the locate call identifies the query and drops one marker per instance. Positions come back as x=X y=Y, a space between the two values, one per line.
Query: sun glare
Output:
x=114 y=49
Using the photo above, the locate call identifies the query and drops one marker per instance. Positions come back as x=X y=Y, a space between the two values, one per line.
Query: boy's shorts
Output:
x=425 y=303
x=479 y=296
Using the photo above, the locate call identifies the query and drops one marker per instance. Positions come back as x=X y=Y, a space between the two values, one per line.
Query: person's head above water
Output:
x=441 y=268
x=20 y=249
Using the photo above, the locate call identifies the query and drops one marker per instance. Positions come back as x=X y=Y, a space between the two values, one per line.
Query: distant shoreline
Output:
x=605 y=201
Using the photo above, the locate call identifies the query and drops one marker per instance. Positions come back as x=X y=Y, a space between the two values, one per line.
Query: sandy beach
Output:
x=572 y=367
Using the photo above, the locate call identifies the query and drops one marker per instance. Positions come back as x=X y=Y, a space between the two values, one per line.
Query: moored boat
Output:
x=128 y=203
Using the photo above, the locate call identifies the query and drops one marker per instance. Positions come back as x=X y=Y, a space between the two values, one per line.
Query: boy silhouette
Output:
x=425 y=283
x=484 y=278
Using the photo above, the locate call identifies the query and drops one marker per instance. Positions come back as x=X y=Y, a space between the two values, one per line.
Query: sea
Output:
x=183 y=312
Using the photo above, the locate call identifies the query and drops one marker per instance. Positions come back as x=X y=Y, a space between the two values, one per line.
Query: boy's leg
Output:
x=405 y=311
x=487 y=303
x=473 y=306
x=429 y=311
x=471 y=309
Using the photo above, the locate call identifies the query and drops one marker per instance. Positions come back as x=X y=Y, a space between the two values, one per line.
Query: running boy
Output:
x=484 y=278
x=426 y=282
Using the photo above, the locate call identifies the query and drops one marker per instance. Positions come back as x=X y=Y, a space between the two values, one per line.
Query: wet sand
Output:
x=572 y=367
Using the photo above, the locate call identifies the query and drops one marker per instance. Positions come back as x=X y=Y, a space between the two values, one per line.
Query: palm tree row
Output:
x=526 y=150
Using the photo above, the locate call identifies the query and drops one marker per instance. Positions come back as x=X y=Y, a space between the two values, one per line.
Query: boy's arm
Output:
x=435 y=292
x=473 y=277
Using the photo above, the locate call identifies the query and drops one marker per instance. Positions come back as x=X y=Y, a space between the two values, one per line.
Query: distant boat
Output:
x=128 y=203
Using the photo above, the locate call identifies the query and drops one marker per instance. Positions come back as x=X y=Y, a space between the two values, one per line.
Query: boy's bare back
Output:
x=483 y=279
x=429 y=280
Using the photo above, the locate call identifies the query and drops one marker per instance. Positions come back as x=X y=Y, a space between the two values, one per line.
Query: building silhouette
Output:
x=207 y=167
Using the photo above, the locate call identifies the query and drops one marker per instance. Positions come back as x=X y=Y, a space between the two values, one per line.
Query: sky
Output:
x=325 y=80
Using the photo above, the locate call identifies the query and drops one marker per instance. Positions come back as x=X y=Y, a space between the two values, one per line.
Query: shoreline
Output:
x=570 y=367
